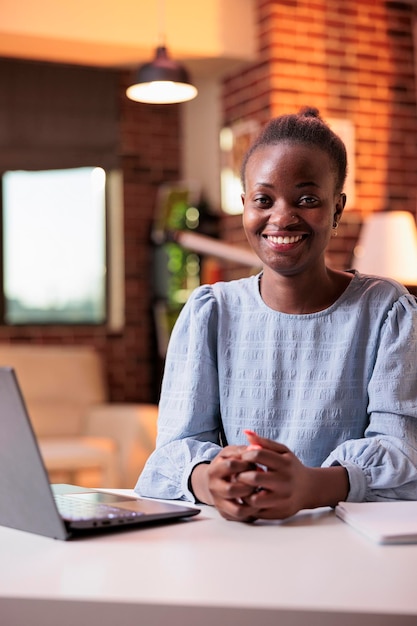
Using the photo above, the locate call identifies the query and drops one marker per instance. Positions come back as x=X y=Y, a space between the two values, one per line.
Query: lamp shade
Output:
x=388 y=246
x=163 y=81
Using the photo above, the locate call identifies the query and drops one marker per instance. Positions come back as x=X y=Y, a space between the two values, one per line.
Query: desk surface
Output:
x=312 y=569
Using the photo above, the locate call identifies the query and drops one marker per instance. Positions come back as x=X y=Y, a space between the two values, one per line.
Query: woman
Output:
x=314 y=368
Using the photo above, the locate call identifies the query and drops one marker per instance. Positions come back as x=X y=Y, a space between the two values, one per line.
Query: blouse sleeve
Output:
x=188 y=421
x=383 y=464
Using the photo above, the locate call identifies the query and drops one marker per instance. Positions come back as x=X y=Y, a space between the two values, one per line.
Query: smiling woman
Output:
x=313 y=367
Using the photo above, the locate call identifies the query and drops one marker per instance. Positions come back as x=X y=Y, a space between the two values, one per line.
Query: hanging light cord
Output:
x=161 y=23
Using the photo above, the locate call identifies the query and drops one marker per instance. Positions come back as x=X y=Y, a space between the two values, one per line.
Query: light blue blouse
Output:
x=337 y=387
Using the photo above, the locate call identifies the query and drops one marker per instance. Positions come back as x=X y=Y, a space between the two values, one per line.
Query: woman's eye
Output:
x=263 y=201
x=308 y=201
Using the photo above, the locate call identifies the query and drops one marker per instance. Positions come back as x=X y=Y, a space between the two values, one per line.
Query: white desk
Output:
x=313 y=570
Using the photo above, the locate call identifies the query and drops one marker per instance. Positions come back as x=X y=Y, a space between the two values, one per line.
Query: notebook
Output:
x=28 y=502
x=383 y=522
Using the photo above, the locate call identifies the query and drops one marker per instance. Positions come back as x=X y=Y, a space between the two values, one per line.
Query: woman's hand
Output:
x=217 y=484
x=265 y=480
x=281 y=485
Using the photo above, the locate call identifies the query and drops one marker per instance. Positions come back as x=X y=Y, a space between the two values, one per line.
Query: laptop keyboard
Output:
x=75 y=510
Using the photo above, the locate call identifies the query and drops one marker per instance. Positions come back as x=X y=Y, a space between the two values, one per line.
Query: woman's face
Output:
x=290 y=205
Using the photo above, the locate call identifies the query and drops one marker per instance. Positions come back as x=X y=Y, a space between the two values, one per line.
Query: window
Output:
x=54 y=246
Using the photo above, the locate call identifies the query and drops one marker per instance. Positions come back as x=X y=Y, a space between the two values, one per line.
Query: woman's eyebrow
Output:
x=261 y=184
x=301 y=185
x=310 y=183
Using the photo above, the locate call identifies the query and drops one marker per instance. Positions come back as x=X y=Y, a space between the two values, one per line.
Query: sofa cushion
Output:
x=58 y=383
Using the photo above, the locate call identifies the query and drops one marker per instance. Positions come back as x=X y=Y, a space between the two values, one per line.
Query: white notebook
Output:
x=383 y=522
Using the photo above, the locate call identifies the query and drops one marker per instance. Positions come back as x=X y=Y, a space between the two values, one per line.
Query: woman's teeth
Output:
x=286 y=239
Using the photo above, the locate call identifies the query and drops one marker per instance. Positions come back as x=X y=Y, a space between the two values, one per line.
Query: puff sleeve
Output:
x=188 y=423
x=383 y=464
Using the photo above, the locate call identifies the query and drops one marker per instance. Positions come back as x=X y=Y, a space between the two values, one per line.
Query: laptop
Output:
x=28 y=502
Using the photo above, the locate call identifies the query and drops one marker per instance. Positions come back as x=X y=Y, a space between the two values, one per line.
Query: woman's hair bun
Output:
x=309 y=112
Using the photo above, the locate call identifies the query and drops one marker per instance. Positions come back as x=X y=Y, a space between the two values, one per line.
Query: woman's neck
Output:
x=303 y=293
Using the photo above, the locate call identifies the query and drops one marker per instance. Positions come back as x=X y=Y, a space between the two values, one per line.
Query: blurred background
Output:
x=92 y=182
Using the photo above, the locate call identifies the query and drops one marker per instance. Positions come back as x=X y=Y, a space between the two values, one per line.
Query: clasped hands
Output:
x=263 y=480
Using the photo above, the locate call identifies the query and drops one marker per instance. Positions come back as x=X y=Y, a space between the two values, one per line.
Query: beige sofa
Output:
x=83 y=438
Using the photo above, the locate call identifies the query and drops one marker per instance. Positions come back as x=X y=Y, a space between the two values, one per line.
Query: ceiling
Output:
x=210 y=36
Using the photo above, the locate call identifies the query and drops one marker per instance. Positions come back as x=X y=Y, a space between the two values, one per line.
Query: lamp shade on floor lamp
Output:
x=387 y=246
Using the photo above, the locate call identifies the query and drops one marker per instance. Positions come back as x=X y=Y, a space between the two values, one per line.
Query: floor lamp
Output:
x=387 y=246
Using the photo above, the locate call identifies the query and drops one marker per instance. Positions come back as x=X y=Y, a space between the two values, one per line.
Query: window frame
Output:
x=114 y=315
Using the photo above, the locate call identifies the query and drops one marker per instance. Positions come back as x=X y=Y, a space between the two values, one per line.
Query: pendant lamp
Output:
x=163 y=81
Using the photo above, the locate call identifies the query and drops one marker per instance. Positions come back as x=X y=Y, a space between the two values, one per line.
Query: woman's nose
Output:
x=283 y=215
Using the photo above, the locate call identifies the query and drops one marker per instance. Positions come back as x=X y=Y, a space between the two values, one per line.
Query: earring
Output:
x=335 y=227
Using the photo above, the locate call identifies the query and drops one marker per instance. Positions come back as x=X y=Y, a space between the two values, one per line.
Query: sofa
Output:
x=83 y=438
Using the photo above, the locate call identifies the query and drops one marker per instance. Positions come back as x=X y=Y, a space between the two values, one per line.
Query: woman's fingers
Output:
x=255 y=440
x=236 y=510
x=225 y=488
x=261 y=481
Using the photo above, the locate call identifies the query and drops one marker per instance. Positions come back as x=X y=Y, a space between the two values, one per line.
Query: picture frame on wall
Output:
x=234 y=142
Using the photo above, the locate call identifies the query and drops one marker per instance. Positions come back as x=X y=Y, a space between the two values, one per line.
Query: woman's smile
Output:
x=283 y=241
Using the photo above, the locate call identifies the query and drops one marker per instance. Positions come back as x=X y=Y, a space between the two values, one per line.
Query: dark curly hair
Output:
x=306 y=127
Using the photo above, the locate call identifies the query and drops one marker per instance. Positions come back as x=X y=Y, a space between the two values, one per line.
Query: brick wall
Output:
x=353 y=61
x=150 y=156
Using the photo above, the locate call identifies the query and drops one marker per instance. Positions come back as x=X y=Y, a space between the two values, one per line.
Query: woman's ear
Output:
x=340 y=205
